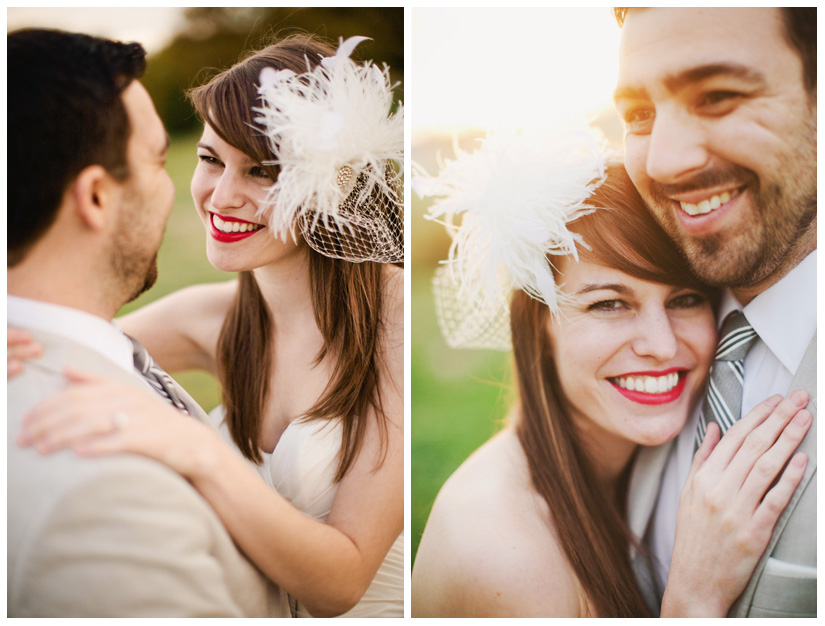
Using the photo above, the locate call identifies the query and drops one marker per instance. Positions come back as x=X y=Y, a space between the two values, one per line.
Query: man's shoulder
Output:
x=75 y=522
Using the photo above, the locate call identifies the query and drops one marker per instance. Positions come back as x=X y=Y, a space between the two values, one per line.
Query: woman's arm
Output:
x=326 y=566
x=729 y=506
x=181 y=329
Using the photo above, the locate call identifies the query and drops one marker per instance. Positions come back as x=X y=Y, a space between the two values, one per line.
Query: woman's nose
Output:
x=655 y=336
x=227 y=193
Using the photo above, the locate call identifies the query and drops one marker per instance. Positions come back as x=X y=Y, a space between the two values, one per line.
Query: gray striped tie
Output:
x=159 y=379
x=723 y=398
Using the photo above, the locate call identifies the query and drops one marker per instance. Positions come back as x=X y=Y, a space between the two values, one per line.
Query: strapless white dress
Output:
x=302 y=468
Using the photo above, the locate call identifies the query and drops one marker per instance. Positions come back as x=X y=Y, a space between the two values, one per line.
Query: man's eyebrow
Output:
x=702 y=72
x=629 y=93
x=675 y=82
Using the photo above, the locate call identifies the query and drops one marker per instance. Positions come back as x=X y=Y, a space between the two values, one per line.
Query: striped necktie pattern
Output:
x=723 y=398
x=160 y=381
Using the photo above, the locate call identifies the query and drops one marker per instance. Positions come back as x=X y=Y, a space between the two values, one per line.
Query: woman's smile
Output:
x=651 y=387
x=230 y=229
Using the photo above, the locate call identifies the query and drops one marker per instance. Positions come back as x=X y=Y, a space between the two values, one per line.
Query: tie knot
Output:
x=737 y=336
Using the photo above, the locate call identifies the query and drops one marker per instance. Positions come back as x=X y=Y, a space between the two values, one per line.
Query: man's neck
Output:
x=71 y=291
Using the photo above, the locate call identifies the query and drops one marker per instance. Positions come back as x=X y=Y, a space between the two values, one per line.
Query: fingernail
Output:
x=802 y=419
x=799 y=397
x=800 y=459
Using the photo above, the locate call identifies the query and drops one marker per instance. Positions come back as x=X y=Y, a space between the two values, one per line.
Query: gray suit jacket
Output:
x=118 y=535
x=784 y=581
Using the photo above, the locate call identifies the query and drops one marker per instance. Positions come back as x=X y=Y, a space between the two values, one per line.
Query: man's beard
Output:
x=135 y=274
x=782 y=212
x=134 y=267
x=149 y=279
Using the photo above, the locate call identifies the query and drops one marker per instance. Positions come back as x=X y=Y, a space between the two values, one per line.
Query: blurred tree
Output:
x=214 y=38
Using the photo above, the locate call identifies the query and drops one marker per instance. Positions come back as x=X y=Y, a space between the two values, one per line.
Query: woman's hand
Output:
x=20 y=346
x=730 y=504
x=95 y=415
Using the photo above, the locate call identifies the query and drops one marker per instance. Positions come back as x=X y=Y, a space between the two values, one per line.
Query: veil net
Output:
x=369 y=230
x=467 y=322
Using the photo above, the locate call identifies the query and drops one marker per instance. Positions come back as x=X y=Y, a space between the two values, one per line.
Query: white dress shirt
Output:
x=784 y=318
x=90 y=331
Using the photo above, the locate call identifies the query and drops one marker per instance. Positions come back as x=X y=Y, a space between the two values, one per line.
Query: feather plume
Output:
x=320 y=122
x=514 y=197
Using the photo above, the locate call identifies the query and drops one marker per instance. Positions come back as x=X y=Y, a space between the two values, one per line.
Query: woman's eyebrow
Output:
x=617 y=287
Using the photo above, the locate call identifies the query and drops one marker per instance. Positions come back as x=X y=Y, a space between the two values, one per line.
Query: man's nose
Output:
x=677 y=149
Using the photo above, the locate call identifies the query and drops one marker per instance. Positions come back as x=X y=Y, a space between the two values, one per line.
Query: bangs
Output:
x=622 y=234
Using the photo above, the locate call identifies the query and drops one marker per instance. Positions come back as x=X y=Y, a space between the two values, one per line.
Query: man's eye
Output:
x=639 y=119
x=719 y=100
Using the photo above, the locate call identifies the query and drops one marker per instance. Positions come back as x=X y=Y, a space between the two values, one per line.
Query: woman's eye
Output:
x=687 y=301
x=205 y=158
x=258 y=172
x=607 y=306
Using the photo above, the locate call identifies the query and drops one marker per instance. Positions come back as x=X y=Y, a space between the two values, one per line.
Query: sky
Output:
x=150 y=26
x=499 y=67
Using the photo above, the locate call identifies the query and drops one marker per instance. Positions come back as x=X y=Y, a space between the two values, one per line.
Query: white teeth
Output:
x=234 y=227
x=648 y=384
x=711 y=204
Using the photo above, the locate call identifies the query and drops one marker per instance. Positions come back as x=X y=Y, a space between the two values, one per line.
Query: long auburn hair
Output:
x=590 y=523
x=346 y=297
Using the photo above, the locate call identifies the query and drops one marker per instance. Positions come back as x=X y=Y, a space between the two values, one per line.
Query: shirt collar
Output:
x=95 y=333
x=784 y=315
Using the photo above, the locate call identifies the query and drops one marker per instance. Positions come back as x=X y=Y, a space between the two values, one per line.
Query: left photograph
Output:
x=205 y=312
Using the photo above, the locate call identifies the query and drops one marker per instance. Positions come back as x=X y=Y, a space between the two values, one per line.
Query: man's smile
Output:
x=708 y=204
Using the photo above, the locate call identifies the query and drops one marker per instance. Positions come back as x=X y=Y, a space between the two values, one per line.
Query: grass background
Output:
x=459 y=397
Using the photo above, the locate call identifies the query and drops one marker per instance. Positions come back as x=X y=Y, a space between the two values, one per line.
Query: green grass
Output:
x=459 y=399
x=182 y=258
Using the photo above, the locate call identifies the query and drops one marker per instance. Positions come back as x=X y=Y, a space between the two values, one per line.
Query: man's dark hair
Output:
x=800 y=30
x=65 y=113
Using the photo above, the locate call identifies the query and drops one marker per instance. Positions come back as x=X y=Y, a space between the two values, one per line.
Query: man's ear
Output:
x=95 y=193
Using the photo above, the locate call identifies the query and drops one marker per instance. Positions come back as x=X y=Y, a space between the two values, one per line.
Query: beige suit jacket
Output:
x=118 y=536
x=784 y=581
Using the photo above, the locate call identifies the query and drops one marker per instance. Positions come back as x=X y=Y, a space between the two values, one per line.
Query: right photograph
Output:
x=613 y=359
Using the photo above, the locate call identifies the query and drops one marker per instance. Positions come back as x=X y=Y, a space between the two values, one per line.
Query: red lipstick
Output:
x=642 y=397
x=229 y=237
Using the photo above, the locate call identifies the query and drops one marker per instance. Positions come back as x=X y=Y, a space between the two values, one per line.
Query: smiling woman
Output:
x=612 y=337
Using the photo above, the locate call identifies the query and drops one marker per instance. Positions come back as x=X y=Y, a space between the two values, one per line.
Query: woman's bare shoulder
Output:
x=489 y=548
x=181 y=329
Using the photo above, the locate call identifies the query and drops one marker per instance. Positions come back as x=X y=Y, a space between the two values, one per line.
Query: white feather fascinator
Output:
x=340 y=151
x=514 y=197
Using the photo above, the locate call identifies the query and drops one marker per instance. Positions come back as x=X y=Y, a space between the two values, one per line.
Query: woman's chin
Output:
x=661 y=433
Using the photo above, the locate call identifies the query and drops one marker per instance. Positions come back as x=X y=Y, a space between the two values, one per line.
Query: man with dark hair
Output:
x=89 y=197
x=719 y=107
